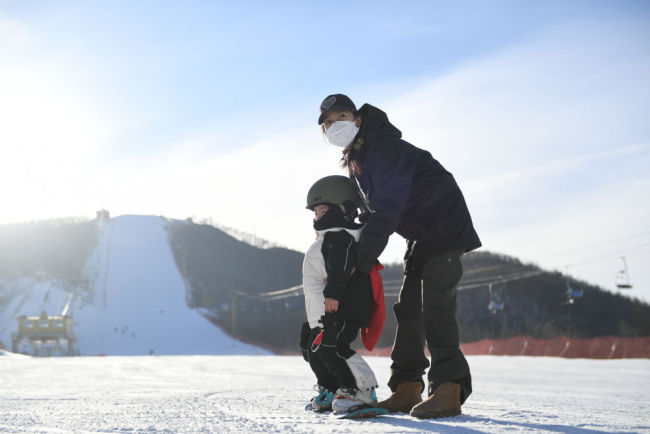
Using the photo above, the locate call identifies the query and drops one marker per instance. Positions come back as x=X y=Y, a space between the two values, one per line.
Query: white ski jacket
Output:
x=314 y=275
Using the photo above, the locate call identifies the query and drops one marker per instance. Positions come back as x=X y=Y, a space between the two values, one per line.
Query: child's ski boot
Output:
x=322 y=401
x=357 y=404
x=349 y=399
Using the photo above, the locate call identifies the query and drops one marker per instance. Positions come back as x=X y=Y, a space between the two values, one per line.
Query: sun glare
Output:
x=48 y=136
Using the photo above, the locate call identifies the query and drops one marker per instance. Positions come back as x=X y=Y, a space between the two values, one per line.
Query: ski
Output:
x=365 y=413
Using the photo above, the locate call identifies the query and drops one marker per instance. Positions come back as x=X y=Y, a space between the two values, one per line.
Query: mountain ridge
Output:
x=211 y=275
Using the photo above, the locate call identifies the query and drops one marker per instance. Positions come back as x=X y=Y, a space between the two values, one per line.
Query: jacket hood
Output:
x=375 y=124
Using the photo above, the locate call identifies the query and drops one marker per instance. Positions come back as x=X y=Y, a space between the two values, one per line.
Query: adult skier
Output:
x=405 y=190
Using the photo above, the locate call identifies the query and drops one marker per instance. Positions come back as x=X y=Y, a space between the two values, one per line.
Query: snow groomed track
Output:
x=268 y=394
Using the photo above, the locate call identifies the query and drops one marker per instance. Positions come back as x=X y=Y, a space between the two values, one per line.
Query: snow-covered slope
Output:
x=232 y=394
x=4 y=353
x=133 y=302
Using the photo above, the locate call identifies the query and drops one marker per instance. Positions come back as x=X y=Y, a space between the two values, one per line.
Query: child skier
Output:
x=339 y=301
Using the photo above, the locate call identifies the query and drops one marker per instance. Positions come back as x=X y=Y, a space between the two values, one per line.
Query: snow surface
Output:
x=268 y=394
x=137 y=304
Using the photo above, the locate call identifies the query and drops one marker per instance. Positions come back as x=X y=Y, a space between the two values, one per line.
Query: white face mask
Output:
x=341 y=133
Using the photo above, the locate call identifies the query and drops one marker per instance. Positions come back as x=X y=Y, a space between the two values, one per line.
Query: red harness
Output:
x=370 y=335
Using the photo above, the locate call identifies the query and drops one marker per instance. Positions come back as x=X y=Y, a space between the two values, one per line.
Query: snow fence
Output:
x=606 y=347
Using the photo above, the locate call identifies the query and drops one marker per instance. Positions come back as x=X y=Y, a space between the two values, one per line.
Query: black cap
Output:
x=337 y=101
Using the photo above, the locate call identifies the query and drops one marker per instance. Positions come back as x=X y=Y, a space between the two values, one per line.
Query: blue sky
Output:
x=208 y=109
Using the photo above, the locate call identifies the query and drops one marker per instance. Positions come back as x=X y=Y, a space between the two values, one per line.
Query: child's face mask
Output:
x=334 y=217
x=341 y=133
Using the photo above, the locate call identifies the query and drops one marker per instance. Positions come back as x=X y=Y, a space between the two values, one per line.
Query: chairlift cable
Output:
x=562 y=252
x=608 y=255
x=296 y=290
x=638 y=254
x=504 y=280
x=479 y=270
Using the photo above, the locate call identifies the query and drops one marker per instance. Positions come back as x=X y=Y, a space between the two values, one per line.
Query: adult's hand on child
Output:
x=331 y=305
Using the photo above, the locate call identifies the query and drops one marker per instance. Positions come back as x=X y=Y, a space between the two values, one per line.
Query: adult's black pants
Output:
x=426 y=312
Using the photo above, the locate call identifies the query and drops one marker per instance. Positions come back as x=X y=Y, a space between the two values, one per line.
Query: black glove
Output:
x=417 y=254
x=330 y=323
x=305 y=337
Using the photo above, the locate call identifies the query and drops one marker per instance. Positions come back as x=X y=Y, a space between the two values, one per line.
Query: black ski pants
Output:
x=426 y=312
x=328 y=360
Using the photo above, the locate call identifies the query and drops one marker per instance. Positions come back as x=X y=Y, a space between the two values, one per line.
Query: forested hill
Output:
x=254 y=295
x=525 y=300
x=240 y=287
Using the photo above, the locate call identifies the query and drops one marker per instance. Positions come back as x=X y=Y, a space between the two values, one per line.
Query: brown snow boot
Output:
x=444 y=402
x=407 y=394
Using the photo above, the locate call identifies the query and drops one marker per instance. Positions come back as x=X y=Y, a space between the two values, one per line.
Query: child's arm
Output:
x=338 y=252
x=313 y=276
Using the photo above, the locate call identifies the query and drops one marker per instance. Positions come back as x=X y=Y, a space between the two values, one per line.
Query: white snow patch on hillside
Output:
x=268 y=394
x=137 y=304
x=4 y=353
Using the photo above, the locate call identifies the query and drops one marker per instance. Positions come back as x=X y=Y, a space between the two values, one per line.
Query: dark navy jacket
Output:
x=406 y=191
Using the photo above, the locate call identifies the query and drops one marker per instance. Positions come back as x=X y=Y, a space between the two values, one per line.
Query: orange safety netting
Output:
x=606 y=347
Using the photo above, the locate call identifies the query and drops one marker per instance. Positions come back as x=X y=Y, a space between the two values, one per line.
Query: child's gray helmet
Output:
x=334 y=189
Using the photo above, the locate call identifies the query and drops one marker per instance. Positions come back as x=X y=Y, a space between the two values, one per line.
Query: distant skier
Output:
x=338 y=305
x=406 y=191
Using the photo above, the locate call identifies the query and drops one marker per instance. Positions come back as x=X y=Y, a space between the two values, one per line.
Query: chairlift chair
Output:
x=496 y=299
x=573 y=293
x=623 y=277
x=577 y=293
x=495 y=306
